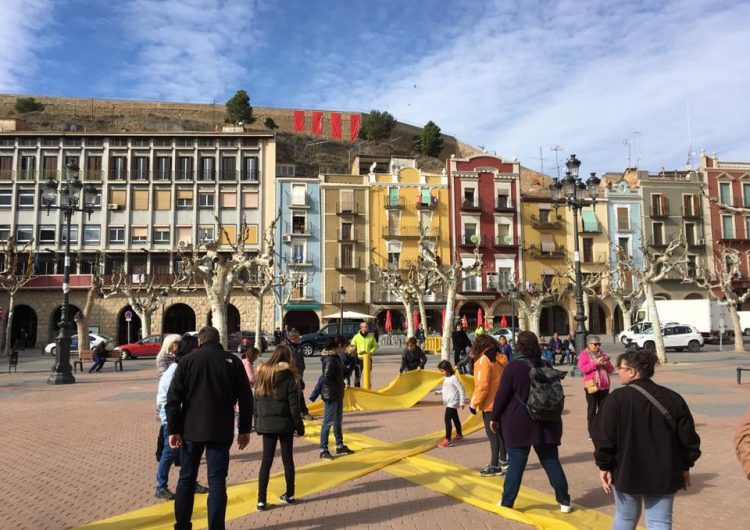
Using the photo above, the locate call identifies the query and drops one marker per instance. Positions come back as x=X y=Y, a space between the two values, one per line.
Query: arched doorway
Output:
x=397 y=320
x=303 y=320
x=128 y=332
x=57 y=314
x=554 y=318
x=179 y=318
x=233 y=319
x=618 y=321
x=597 y=319
x=23 y=326
x=469 y=310
x=434 y=321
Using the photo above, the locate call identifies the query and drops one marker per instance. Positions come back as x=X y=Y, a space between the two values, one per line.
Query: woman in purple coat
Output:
x=520 y=432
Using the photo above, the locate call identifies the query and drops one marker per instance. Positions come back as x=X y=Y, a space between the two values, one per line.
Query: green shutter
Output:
x=590 y=222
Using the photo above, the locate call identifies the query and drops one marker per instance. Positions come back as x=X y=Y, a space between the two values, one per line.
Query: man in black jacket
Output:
x=299 y=364
x=200 y=417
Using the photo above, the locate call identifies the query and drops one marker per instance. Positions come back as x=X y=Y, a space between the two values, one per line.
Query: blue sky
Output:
x=598 y=78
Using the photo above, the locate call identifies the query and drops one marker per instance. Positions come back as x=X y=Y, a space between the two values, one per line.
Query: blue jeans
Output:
x=333 y=414
x=165 y=462
x=550 y=460
x=628 y=511
x=217 y=463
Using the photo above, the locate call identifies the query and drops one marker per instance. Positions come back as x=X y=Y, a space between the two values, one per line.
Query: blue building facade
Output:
x=298 y=245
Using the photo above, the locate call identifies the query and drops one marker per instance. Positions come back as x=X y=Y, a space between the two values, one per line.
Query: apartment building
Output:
x=485 y=208
x=157 y=193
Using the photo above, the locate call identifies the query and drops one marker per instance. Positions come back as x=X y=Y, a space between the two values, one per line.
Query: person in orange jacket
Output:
x=488 y=369
x=742 y=443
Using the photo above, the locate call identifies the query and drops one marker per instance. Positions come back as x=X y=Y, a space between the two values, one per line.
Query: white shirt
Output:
x=453 y=392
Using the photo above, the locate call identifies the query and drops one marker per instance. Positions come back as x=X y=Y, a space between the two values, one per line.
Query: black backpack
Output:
x=546 y=396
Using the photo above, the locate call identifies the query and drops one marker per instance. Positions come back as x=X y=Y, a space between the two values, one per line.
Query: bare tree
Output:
x=16 y=271
x=425 y=283
x=720 y=286
x=531 y=298
x=624 y=291
x=392 y=281
x=591 y=283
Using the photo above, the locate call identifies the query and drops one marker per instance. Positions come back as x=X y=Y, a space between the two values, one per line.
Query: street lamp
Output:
x=342 y=294
x=69 y=194
x=570 y=192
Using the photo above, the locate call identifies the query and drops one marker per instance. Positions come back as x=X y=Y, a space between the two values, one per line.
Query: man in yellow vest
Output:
x=366 y=344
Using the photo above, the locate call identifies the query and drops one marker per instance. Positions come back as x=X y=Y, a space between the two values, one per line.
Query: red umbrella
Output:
x=415 y=318
x=479 y=317
x=503 y=322
x=442 y=320
x=388 y=322
x=465 y=322
x=486 y=324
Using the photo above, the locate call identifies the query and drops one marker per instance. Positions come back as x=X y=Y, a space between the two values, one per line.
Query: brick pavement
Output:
x=75 y=454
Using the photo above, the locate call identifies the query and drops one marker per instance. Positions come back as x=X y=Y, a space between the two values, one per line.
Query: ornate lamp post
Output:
x=570 y=192
x=342 y=294
x=69 y=194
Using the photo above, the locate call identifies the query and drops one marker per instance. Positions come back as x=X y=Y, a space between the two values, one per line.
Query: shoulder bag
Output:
x=661 y=408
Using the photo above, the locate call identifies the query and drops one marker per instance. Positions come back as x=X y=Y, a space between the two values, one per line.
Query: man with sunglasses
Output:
x=595 y=366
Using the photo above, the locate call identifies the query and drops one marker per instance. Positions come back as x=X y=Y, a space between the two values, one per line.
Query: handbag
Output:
x=591 y=386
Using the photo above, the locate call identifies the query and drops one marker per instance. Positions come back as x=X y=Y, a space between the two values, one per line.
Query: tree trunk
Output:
x=409 y=308
x=587 y=310
x=9 y=321
x=258 y=321
x=739 y=340
x=627 y=321
x=445 y=346
x=533 y=315
x=143 y=314
x=648 y=291
x=422 y=313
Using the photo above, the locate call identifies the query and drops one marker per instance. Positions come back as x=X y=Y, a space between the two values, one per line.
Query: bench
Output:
x=86 y=356
x=741 y=369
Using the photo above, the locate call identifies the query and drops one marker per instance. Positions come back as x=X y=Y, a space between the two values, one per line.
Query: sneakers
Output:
x=287 y=499
x=445 y=442
x=164 y=493
x=458 y=438
x=344 y=450
x=262 y=506
x=326 y=455
x=503 y=465
x=491 y=471
x=199 y=488
x=566 y=508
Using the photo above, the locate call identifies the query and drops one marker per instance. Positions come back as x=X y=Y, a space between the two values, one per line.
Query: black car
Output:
x=237 y=336
x=313 y=342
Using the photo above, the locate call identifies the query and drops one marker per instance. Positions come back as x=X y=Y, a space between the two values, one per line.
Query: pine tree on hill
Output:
x=239 y=109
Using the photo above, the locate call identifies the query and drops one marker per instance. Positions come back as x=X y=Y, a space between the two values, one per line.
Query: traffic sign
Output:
x=128 y=316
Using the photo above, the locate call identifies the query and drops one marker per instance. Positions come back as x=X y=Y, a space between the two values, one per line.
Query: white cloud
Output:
x=21 y=37
x=186 y=50
x=583 y=75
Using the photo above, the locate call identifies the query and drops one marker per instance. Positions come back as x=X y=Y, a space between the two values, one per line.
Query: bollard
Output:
x=366 y=369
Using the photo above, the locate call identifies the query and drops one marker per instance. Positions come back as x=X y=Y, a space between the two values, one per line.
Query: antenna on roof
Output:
x=630 y=142
x=557 y=148
x=690 y=138
x=541 y=160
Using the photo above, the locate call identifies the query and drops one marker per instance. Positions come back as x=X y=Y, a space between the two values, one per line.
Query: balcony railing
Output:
x=348 y=264
x=506 y=241
x=545 y=224
x=392 y=203
x=659 y=212
x=352 y=297
x=206 y=175
x=599 y=258
x=466 y=240
x=691 y=213
x=504 y=204
x=228 y=174
x=429 y=205
x=301 y=230
x=250 y=176
x=347 y=235
x=406 y=232
x=351 y=208
x=696 y=243
x=470 y=205
x=554 y=253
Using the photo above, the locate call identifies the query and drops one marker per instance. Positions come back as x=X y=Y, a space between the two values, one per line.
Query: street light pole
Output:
x=342 y=294
x=69 y=195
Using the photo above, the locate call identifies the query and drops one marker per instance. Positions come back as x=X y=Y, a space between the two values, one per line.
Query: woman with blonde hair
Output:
x=277 y=418
x=167 y=352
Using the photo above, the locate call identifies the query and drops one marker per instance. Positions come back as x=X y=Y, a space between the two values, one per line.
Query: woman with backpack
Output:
x=521 y=432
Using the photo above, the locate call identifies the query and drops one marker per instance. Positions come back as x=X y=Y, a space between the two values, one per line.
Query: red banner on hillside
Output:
x=299 y=121
x=336 y=125
x=317 y=123
x=355 y=120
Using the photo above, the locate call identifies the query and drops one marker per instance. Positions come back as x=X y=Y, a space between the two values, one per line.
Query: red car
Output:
x=146 y=347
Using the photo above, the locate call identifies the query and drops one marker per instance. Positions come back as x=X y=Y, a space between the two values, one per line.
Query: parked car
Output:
x=640 y=327
x=312 y=342
x=146 y=347
x=505 y=332
x=676 y=337
x=237 y=336
x=94 y=341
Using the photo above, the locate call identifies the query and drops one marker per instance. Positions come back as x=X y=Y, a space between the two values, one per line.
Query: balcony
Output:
x=250 y=176
x=228 y=174
x=691 y=213
x=350 y=208
x=505 y=241
x=537 y=252
x=301 y=230
x=466 y=240
x=545 y=224
x=141 y=175
x=406 y=232
x=504 y=204
x=394 y=203
x=696 y=243
x=348 y=264
x=163 y=175
x=660 y=212
x=347 y=236
x=431 y=205
x=470 y=205
x=594 y=258
x=206 y=175
x=351 y=297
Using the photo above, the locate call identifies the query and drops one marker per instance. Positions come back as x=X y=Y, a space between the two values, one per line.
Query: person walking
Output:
x=332 y=393
x=98 y=356
x=521 y=432
x=200 y=418
x=595 y=366
x=645 y=444
x=413 y=357
x=185 y=345
x=461 y=343
x=298 y=359
x=488 y=369
x=420 y=335
x=366 y=343
x=454 y=396
x=277 y=418
x=166 y=355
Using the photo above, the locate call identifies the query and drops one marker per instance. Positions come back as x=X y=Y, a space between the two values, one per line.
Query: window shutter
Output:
x=250 y=199
x=163 y=200
x=251 y=234
x=139 y=231
x=228 y=235
x=228 y=199
x=184 y=235
x=184 y=194
x=118 y=197
x=140 y=199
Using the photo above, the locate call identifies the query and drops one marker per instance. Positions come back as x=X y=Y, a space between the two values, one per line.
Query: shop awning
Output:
x=590 y=222
x=301 y=307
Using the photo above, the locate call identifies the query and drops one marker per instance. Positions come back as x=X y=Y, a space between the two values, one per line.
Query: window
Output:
x=138 y=234
x=49 y=166
x=140 y=168
x=6 y=167
x=73 y=234
x=658 y=234
x=5 y=198
x=747 y=227
x=727 y=226
x=347 y=200
x=140 y=200
x=658 y=205
x=118 y=168
x=690 y=233
x=504 y=236
x=624 y=244
x=690 y=205
x=184 y=142
x=24 y=233
x=471 y=282
x=184 y=198
x=285 y=170
x=250 y=168
x=469 y=198
x=25 y=199
x=117 y=197
x=725 y=192
x=347 y=255
x=228 y=168
x=163 y=167
x=118 y=142
x=71 y=141
x=28 y=165
x=692 y=266
x=205 y=233
x=228 y=199
x=163 y=199
x=299 y=223
x=206 y=168
x=470 y=230
x=4 y=232
x=502 y=200
x=184 y=235
x=185 y=167
x=93 y=168
x=50 y=142
x=92 y=234
x=623 y=219
x=161 y=234
x=47 y=234
x=227 y=142
x=140 y=142
x=298 y=195
x=228 y=235
x=544 y=215
x=346 y=231
x=588 y=249
x=746 y=195
x=116 y=234
x=249 y=199
x=298 y=289
x=394 y=253
x=163 y=142
x=206 y=142
x=298 y=252
x=205 y=200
